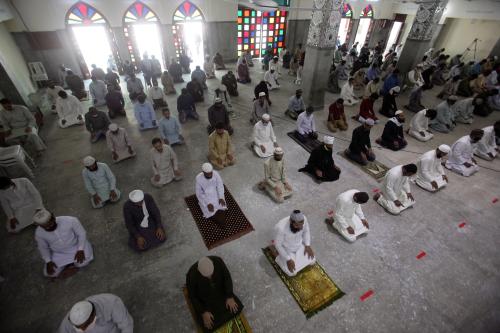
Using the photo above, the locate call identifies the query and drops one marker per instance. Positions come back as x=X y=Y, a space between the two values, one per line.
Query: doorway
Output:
x=393 y=36
x=343 y=30
x=191 y=36
x=362 y=32
x=148 y=41
x=92 y=40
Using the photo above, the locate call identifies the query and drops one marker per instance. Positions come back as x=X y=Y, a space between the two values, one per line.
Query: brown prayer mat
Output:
x=312 y=288
x=375 y=169
x=236 y=224
x=309 y=145
x=238 y=324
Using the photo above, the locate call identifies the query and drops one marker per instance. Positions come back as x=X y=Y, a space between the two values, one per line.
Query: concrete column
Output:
x=422 y=31
x=321 y=38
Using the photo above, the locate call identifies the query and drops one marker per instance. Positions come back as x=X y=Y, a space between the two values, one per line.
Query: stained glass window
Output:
x=265 y=29
x=82 y=13
x=187 y=12
x=140 y=12
x=347 y=11
x=367 y=12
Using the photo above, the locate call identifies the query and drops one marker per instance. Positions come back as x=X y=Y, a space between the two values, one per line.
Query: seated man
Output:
x=293 y=243
x=430 y=175
x=336 y=116
x=461 y=158
x=373 y=87
x=347 y=93
x=419 y=125
x=220 y=148
x=164 y=163
x=271 y=78
x=217 y=113
x=360 y=149
x=306 y=128
x=210 y=290
x=393 y=136
x=97 y=123
x=262 y=87
x=144 y=113
x=208 y=67
x=143 y=221
x=243 y=72
x=264 y=140
x=98 y=313
x=487 y=148
x=320 y=164
x=445 y=118
x=229 y=80
x=210 y=195
x=275 y=182
x=98 y=91
x=65 y=250
x=463 y=110
x=170 y=129
x=119 y=144
x=296 y=105
x=134 y=87
x=115 y=102
x=157 y=96
x=199 y=76
x=395 y=195
x=218 y=61
x=366 y=110
x=389 y=106
x=195 y=89
x=76 y=85
x=175 y=69
x=168 y=83
x=100 y=182
x=186 y=106
x=260 y=108
x=69 y=109
x=349 y=219
x=20 y=200
x=19 y=124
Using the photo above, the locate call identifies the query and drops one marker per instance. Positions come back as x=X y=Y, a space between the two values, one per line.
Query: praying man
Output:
x=271 y=78
x=170 y=129
x=487 y=148
x=264 y=140
x=431 y=175
x=210 y=195
x=53 y=93
x=461 y=158
x=360 y=150
x=156 y=96
x=393 y=135
x=396 y=193
x=97 y=123
x=445 y=118
x=98 y=91
x=100 y=182
x=69 y=109
x=119 y=144
x=220 y=148
x=164 y=163
x=293 y=243
x=349 y=219
x=306 y=127
x=62 y=243
x=419 y=125
x=275 y=182
x=320 y=164
x=144 y=113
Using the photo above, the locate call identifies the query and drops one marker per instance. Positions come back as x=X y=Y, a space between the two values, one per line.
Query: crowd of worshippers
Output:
x=62 y=240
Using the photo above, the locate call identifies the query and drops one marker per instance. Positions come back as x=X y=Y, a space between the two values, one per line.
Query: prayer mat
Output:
x=239 y=324
x=309 y=145
x=375 y=169
x=236 y=225
x=312 y=288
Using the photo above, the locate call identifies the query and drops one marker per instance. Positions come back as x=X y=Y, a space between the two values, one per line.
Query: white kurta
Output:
x=164 y=164
x=156 y=93
x=305 y=123
x=69 y=109
x=272 y=79
x=487 y=144
x=100 y=182
x=60 y=246
x=98 y=92
x=420 y=123
x=291 y=246
x=20 y=202
x=119 y=144
x=209 y=191
x=395 y=187
x=348 y=214
x=463 y=111
x=347 y=94
x=263 y=135
x=430 y=170
x=462 y=152
x=112 y=316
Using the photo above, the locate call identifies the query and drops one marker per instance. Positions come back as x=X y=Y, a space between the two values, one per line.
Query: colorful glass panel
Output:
x=82 y=13
x=139 y=12
x=347 y=11
x=367 y=12
x=187 y=11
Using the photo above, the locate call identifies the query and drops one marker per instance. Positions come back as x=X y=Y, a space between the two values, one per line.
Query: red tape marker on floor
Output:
x=421 y=255
x=376 y=190
x=366 y=295
x=495 y=200
x=461 y=225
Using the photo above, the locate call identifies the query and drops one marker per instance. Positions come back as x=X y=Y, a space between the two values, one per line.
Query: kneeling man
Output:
x=210 y=194
x=430 y=175
x=100 y=182
x=264 y=139
x=349 y=219
x=461 y=158
x=275 y=182
x=396 y=193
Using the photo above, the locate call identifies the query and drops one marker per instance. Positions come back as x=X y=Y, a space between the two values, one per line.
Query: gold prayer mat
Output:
x=309 y=145
x=239 y=324
x=312 y=288
x=375 y=169
x=236 y=226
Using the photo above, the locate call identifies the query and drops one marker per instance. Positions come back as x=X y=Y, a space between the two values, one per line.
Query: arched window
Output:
x=139 y=12
x=82 y=13
x=367 y=12
x=365 y=27
x=346 y=23
x=187 y=11
x=347 y=11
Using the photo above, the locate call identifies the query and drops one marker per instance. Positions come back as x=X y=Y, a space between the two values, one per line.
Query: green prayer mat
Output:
x=375 y=169
x=312 y=288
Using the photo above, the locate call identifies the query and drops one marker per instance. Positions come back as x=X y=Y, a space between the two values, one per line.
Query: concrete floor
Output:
x=455 y=288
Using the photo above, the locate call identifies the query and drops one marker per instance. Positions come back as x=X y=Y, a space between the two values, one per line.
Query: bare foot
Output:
x=376 y=196
x=68 y=272
x=274 y=252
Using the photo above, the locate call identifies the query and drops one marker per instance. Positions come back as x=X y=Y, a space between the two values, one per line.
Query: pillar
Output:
x=420 y=36
x=321 y=38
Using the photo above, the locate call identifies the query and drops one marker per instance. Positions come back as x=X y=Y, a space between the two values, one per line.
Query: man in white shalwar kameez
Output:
x=98 y=91
x=349 y=219
x=210 y=194
x=430 y=174
x=306 y=126
x=20 y=200
x=264 y=140
x=461 y=159
x=487 y=148
x=396 y=193
x=275 y=182
x=463 y=110
x=419 y=125
x=119 y=144
x=62 y=243
x=69 y=109
x=271 y=78
x=164 y=163
x=293 y=243
x=101 y=313
x=100 y=182
x=347 y=93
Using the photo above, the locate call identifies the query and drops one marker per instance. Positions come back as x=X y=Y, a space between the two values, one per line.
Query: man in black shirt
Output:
x=360 y=149
x=186 y=106
x=393 y=136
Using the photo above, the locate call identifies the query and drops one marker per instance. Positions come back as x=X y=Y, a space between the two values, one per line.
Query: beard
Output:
x=293 y=229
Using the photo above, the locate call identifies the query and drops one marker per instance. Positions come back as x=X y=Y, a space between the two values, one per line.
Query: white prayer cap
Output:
x=207 y=168
x=395 y=89
x=88 y=161
x=328 y=140
x=370 y=122
x=453 y=98
x=420 y=66
x=398 y=112
x=206 y=267
x=279 y=151
x=297 y=216
x=136 y=196
x=266 y=117
x=445 y=149
x=80 y=313
x=42 y=216
x=113 y=127
x=218 y=100
x=262 y=94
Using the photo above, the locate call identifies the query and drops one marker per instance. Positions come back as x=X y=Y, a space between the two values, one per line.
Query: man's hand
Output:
x=365 y=223
x=434 y=185
x=27 y=130
x=97 y=199
x=474 y=161
x=467 y=164
x=53 y=107
x=51 y=268
x=422 y=133
x=219 y=160
x=114 y=155
x=491 y=155
x=222 y=202
x=350 y=230
x=156 y=178
x=410 y=196
x=79 y=256
x=160 y=234
x=309 y=251
x=141 y=242
x=13 y=222
x=275 y=145
x=291 y=265
x=277 y=190
x=177 y=173
x=319 y=173
x=262 y=148
x=231 y=305
x=287 y=186
x=63 y=121
x=130 y=150
x=398 y=203
x=210 y=208
x=445 y=178
x=230 y=157
x=79 y=117
x=154 y=122
x=208 y=319
x=113 y=195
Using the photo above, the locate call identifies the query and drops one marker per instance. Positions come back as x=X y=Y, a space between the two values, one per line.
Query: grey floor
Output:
x=455 y=288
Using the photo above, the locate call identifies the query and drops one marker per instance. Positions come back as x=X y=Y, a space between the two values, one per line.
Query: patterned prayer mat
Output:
x=309 y=145
x=375 y=169
x=312 y=288
x=239 y=324
x=236 y=225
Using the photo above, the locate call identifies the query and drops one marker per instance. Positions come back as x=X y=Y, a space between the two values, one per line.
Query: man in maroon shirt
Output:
x=366 y=109
x=336 y=116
